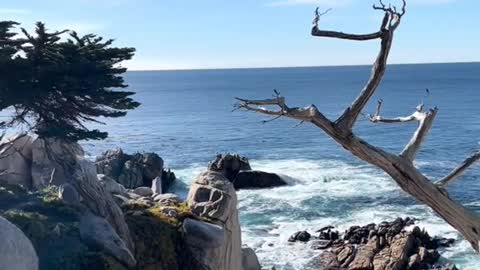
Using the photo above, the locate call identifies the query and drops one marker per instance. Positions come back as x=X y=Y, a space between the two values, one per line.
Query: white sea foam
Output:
x=270 y=216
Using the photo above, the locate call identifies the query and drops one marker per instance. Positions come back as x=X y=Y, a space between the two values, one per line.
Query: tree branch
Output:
x=376 y=118
x=341 y=35
x=458 y=171
x=306 y=114
x=425 y=123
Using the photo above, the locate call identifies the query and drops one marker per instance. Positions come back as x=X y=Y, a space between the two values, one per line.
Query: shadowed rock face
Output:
x=386 y=246
x=16 y=250
x=257 y=179
x=135 y=170
x=229 y=165
x=237 y=170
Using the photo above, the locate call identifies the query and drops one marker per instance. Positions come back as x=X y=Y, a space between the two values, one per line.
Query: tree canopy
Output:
x=56 y=82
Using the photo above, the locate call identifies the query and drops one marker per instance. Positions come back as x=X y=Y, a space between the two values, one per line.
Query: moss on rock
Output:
x=53 y=229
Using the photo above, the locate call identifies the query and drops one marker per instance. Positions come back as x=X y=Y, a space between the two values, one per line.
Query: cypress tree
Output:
x=56 y=85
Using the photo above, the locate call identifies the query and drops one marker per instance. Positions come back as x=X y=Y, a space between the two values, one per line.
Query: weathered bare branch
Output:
x=425 y=123
x=334 y=34
x=399 y=167
x=458 y=171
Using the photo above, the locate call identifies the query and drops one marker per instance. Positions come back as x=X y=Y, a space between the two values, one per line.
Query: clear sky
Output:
x=190 y=34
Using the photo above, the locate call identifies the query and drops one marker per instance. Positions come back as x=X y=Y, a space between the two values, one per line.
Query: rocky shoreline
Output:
x=58 y=223
x=398 y=244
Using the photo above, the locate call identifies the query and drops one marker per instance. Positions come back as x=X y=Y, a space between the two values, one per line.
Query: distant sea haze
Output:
x=186 y=117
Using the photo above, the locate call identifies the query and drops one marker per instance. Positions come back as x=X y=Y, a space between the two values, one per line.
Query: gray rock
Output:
x=302 y=236
x=229 y=165
x=131 y=171
x=257 y=179
x=131 y=175
x=152 y=165
x=68 y=194
x=54 y=161
x=16 y=250
x=166 y=197
x=96 y=232
x=202 y=234
x=111 y=163
x=16 y=153
x=111 y=185
x=143 y=191
x=157 y=185
x=212 y=196
x=250 y=259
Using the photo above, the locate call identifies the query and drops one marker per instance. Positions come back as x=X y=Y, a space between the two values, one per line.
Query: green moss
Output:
x=52 y=226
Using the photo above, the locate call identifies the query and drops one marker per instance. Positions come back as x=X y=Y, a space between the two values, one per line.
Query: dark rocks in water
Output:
x=302 y=236
x=328 y=234
x=386 y=246
x=133 y=171
x=237 y=170
x=321 y=244
x=444 y=267
x=444 y=242
x=168 y=177
x=229 y=165
x=257 y=179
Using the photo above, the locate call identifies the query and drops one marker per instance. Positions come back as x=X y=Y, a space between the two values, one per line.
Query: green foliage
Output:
x=55 y=85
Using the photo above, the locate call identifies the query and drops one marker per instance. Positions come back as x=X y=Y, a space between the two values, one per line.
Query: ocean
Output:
x=186 y=117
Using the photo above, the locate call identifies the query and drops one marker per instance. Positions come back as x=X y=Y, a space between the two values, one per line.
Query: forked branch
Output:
x=425 y=120
x=399 y=167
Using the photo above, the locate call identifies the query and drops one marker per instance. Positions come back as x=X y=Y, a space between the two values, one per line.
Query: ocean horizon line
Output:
x=293 y=67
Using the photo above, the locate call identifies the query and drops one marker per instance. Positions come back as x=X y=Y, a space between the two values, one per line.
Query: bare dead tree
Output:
x=399 y=166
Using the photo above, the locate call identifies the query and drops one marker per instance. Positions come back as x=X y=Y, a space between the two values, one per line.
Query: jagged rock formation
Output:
x=137 y=170
x=237 y=170
x=213 y=197
x=386 y=246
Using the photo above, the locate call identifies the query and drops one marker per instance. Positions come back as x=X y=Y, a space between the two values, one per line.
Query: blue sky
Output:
x=190 y=34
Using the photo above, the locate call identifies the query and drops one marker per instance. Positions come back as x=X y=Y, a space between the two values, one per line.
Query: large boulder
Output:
x=16 y=250
x=98 y=233
x=257 y=179
x=212 y=196
x=250 y=259
x=132 y=171
x=201 y=234
x=15 y=160
x=53 y=161
x=229 y=165
x=111 y=162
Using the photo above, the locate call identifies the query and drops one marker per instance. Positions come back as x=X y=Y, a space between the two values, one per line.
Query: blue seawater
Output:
x=186 y=117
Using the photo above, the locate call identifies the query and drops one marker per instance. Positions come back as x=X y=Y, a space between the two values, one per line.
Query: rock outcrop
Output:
x=136 y=170
x=16 y=160
x=36 y=162
x=229 y=165
x=53 y=161
x=257 y=179
x=213 y=197
x=237 y=170
x=16 y=250
x=250 y=259
x=386 y=246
